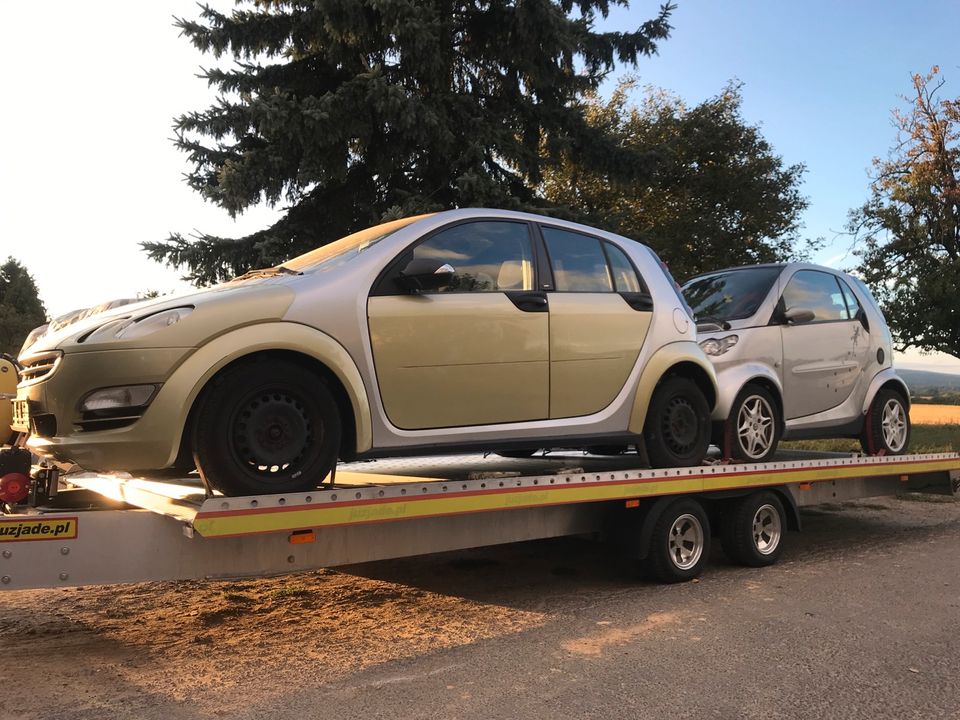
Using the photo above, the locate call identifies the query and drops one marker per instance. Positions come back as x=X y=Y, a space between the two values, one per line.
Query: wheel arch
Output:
x=682 y=359
x=889 y=380
x=314 y=350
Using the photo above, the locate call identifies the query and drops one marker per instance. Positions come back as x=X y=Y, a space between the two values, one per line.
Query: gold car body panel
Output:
x=8 y=388
x=457 y=359
x=150 y=442
x=595 y=339
x=660 y=362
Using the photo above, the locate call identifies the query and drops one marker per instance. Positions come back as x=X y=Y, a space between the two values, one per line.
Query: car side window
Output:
x=578 y=262
x=816 y=291
x=853 y=306
x=486 y=256
x=625 y=278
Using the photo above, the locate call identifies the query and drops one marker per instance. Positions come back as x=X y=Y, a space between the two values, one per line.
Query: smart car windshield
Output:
x=731 y=294
x=347 y=248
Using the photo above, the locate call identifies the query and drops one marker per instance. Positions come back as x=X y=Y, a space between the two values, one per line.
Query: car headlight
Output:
x=132 y=328
x=114 y=398
x=718 y=346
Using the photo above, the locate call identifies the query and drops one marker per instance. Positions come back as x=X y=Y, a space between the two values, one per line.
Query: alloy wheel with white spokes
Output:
x=755 y=424
x=886 y=426
x=894 y=425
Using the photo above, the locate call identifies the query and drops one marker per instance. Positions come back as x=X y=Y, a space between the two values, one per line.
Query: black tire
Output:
x=266 y=427
x=755 y=424
x=752 y=530
x=677 y=428
x=879 y=433
x=680 y=543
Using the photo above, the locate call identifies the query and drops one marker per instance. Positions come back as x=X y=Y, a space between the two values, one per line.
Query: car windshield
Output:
x=346 y=248
x=731 y=294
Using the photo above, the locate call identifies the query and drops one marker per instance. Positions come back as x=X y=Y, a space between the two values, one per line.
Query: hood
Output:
x=215 y=310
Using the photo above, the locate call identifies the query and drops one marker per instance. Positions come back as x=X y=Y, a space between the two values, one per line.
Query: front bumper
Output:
x=54 y=404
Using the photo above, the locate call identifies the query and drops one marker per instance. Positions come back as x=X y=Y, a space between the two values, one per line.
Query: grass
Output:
x=924 y=439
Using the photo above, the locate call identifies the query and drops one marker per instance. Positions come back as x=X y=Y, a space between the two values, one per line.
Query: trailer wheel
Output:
x=887 y=425
x=755 y=431
x=752 y=532
x=677 y=428
x=266 y=427
x=680 y=542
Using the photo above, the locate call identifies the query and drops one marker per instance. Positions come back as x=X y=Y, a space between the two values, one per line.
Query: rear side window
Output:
x=578 y=262
x=819 y=292
x=487 y=256
x=853 y=307
x=624 y=276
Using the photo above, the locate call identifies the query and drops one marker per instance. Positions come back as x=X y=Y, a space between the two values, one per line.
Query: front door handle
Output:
x=529 y=301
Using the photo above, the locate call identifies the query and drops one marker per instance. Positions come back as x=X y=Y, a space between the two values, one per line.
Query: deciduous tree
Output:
x=21 y=309
x=909 y=229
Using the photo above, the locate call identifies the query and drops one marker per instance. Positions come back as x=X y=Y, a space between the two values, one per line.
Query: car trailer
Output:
x=89 y=528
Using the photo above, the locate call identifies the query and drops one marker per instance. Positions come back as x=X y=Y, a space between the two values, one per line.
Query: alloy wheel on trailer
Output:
x=752 y=529
x=886 y=427
x=679 y=542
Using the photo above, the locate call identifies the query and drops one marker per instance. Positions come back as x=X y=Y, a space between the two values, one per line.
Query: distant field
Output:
x=940 y=437
x=923 y=414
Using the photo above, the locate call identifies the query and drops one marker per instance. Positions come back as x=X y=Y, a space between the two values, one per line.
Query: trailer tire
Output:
x=677 y=427
x=752 y=531
x=679 y=543
x=266 y=427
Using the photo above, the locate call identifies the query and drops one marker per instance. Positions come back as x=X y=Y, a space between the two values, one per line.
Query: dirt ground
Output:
x=324 y=643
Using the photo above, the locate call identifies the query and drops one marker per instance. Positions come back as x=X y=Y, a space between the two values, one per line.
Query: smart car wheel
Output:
x=887 y=425
x=266 y=427
x=754 y=424
x=677 y=428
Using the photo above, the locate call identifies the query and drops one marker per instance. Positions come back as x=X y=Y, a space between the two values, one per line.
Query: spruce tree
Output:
x=21 y=309
x=351 y=112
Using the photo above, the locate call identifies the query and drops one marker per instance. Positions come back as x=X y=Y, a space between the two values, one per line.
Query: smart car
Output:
x=465 y=329
x=801 y=351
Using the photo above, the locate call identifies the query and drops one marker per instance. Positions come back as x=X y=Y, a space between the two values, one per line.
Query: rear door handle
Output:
x=529 y=301
x=639 y=301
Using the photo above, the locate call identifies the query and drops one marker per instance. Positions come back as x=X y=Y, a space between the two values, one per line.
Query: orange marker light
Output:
x=633 y=503
x=301 y=537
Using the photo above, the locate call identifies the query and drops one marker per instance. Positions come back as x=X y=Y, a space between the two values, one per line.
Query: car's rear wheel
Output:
x=754 y=424
x=266 y=427
x=886 y=428
x=677 y=428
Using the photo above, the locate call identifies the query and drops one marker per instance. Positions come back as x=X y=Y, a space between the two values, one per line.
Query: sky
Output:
x=89 y=171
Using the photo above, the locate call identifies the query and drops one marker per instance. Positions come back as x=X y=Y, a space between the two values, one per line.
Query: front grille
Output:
x=40 y=366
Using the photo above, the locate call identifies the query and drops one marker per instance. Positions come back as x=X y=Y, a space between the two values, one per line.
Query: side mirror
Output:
x=425 y=274
x=798 y=316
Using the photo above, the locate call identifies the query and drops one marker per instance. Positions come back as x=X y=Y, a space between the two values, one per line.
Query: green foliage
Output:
x=21 y=309
x=719 y=197
x=352 y=112
x=923 y=439
x=910 y=226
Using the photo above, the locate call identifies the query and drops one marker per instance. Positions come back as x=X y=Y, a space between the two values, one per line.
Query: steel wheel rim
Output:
x=680 y=425
x=685 y=543
x=894 y=425
x=766 y=529
x=272 y=433
x=755 y=426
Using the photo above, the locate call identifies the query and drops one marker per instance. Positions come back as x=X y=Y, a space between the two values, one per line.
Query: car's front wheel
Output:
x=754 y=424
x=886 y=428
x=677 y=428
x=266 y=426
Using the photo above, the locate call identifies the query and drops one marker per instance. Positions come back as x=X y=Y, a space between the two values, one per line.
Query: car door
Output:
x=822 y=359
x=475 y=352
x=600 y=311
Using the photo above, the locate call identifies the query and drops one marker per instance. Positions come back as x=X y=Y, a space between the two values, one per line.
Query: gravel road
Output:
x=858 y=620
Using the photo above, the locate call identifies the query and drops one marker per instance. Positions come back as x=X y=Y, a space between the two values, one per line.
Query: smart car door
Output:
x=474 y=352
x=600 y=311
x=822 y=355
